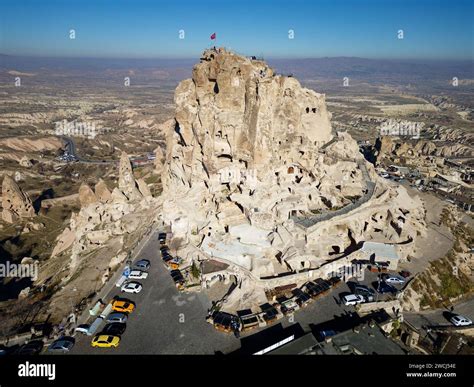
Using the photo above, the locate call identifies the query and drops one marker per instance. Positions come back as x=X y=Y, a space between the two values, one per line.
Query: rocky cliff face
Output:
x=237 y=110
x=127 y=183
x=103 y=214
x=251 y=153
x=16 y=203
x=99 y=237
x=391 y=147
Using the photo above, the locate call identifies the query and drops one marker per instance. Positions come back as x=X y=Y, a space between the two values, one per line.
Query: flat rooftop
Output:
x=383 y=250
x=364 y=339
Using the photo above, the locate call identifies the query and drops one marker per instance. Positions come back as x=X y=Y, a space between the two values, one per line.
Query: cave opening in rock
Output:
x=225 y=156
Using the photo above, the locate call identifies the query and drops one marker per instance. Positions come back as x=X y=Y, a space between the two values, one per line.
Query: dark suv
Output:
x=162 y=237
x=382 y=288
x=364 y=291
x=114 y=329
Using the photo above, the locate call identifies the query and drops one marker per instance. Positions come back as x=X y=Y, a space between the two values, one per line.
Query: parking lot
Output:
x=330 y=307
x=165 y=321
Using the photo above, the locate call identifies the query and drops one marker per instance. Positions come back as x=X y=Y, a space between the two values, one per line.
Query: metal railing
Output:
x=306 y=222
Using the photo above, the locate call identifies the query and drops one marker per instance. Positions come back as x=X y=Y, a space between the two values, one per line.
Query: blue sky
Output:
x=149 y=29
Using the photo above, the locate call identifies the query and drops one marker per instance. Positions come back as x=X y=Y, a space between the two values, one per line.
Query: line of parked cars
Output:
x=311 y=290
x=139 y=272
x=361 y=293
x=172 y=263
x=288 y=301
x=121 y=308
x=387 y=282
x=34 y=347
x=115 y=324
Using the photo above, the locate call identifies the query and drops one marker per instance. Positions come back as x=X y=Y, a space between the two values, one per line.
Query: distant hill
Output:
x=374 y=70
x=151 y=72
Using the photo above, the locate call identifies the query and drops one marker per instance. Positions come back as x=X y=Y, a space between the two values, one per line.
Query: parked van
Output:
x=106 y=311
x=94 y=326
x=96 y=309
x=121 y=280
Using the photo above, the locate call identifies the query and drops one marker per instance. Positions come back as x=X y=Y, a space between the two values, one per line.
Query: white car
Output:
x=131 y=287
x=460 y=321
x=391 y=279
x=138 y=274
x=83 y=328
x=353 y=299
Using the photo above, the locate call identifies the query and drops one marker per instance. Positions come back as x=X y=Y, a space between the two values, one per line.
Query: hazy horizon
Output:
x=425 y=29
x=157 y=72
x=404 y=59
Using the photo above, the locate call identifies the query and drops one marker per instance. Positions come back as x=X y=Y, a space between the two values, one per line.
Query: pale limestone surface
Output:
x=250 y=153
x=16 y=204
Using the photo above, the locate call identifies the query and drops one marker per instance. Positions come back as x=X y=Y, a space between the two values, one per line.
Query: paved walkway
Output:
x=306 y=222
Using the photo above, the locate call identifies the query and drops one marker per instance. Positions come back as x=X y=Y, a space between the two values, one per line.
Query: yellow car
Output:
x=123 y=306
x=105 y=341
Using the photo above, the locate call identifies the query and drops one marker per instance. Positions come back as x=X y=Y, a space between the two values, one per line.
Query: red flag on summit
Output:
x=213 y=36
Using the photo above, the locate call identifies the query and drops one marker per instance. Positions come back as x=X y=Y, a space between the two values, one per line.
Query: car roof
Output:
x=104 y=337
x=114 y=324
x=351 y=296
x=59 y=343
x=34 y=343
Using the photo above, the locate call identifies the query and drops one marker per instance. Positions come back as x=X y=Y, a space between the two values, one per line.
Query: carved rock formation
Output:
x=253 y=172
x=16 y=203
x=102 y=191
x=127 y=183
x=86 y=195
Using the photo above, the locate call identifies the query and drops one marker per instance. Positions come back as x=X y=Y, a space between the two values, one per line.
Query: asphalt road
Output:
x=438 y=317
x=329 y=307
x=71 y=148
x=165 y=321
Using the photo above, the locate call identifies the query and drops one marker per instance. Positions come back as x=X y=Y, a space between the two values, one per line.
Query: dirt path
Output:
x=438 y=240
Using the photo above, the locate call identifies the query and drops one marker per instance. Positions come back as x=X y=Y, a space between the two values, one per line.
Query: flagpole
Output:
x=214 y=38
